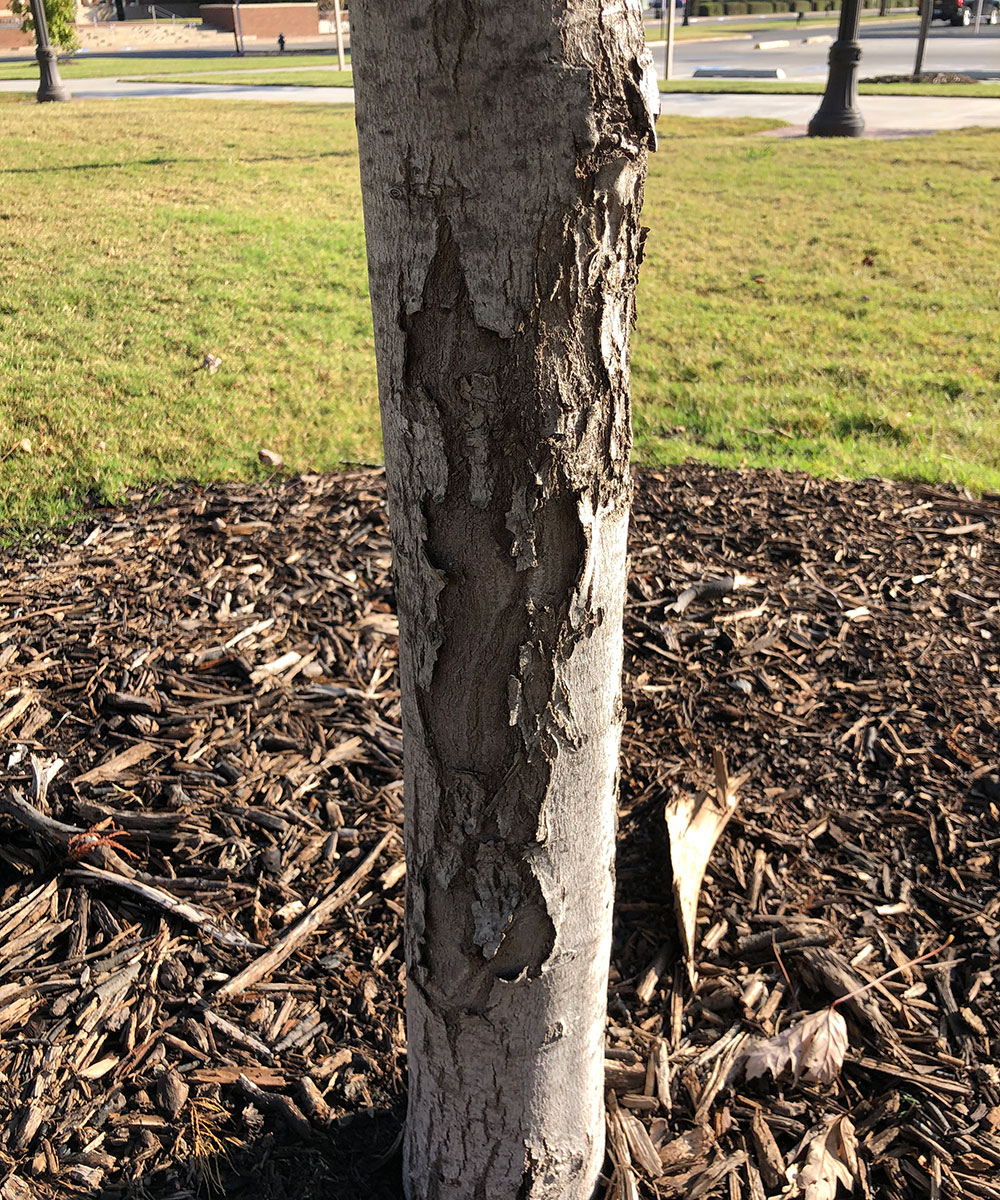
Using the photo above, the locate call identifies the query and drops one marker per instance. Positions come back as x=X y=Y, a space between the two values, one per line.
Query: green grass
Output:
x=331 y=77
x=172 y=230
x=768 y=87
x=304 y=77
x=128 y=66
x=320 y=70
x=831 y=306
x=137 y=236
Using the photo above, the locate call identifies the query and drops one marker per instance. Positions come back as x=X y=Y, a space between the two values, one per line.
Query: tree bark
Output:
x=503 y=151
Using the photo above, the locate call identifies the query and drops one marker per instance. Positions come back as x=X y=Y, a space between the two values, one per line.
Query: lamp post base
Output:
x=838 y=115
x=51 y=87
x=843 y=123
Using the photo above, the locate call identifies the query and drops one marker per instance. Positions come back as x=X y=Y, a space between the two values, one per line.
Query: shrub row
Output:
x=740 y=8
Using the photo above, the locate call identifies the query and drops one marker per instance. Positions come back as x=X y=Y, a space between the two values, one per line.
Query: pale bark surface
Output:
x=502 y=161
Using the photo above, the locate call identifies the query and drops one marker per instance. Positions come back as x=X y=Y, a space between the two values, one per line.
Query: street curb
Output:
x=738 y=73
x=729 y=37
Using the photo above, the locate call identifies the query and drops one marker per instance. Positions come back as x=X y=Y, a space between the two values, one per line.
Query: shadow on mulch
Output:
x=356 y=1157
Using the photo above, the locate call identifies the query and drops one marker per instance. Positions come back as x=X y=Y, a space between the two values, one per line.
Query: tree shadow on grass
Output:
x=169 y=162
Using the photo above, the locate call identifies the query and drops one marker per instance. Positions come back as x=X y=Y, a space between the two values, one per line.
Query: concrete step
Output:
x=114 y=35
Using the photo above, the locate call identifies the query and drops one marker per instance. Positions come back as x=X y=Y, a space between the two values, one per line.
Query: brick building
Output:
x=11 y=37
x=265 y=20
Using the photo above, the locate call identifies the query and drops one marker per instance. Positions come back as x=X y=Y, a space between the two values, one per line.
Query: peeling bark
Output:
x=502 y=161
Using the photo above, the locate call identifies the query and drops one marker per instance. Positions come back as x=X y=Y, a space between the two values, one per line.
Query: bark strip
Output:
x=502 y=160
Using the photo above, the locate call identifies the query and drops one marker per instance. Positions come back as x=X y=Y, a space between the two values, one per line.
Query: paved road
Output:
x=885 y=50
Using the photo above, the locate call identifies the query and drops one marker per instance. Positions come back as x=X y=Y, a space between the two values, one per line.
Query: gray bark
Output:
x=503 y=152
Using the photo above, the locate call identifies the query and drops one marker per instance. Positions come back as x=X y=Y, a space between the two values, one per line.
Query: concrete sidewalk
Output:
x=894 y=115
x=882 y=114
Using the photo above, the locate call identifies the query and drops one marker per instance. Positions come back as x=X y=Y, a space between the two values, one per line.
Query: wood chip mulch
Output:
x=201 y=877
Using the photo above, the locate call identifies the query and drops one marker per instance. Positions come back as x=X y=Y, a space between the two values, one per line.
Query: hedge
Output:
x=740 y=8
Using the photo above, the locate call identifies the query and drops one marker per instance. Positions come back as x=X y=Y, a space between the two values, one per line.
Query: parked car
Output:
x=963 y=12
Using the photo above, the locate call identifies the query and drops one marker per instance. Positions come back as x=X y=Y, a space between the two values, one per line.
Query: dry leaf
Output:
x=831 y=1158
x=772 y=1055
x=813 y=1049
x=270 y=458
x=24 y=445
x=695 y=824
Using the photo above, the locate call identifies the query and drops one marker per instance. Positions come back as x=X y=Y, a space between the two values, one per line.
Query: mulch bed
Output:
x=201 y=968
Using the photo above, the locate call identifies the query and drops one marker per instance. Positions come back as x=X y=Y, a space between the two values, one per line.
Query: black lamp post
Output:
x=50 y=87
x=838 y=115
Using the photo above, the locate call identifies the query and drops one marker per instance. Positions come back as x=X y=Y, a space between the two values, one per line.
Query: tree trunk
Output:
x=503 y=152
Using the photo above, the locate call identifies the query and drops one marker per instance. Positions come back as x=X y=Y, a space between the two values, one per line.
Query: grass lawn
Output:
x=296 y=77
x=830 y=305
x=820 y=304
x=329 y=76
x=172 y=230
x=127 y=66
